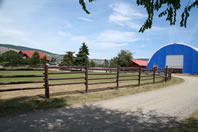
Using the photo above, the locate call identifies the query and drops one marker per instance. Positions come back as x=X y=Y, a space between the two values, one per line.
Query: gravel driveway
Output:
x=154 y=111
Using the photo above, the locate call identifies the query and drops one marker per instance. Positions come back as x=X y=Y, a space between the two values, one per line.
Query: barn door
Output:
x=175 y=62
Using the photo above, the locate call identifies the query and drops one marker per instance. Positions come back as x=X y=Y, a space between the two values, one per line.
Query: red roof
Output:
x=140 y=62
x=29 y=54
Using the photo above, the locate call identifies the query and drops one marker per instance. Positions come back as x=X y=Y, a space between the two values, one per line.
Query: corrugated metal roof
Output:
x=29 y=54
x=140 y=62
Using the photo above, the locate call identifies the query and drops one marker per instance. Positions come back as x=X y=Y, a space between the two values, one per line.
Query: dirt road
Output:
x=154 y=111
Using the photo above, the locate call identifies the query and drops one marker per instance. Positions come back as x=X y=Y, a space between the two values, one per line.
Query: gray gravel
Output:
x=153 y=111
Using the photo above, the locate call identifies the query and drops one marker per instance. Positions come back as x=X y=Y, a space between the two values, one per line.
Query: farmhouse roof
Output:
x=140 y=62
x=29 y=54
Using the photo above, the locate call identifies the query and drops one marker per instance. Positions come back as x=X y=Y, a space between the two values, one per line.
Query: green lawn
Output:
x=58 y=76
x=27 y=104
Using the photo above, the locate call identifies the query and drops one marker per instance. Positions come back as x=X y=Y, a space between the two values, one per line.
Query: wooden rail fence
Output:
x=87 y=72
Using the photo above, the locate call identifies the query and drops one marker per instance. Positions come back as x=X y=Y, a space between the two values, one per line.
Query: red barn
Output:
x=139 y=63
x=29 y=54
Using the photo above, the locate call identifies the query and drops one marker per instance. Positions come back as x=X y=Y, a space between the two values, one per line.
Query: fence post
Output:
x=170 y=72
x=86 y=79
x=166 y=73
x=47 y=95
x=139 y=79
x=117 y=78
x=154 y=69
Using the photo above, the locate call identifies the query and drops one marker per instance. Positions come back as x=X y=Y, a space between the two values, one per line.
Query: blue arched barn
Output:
x=176 y=56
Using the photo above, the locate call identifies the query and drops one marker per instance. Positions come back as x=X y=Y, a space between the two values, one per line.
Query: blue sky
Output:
x=61 y=25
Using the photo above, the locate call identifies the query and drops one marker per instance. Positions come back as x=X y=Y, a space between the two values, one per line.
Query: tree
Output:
x=44 y=60
x=82 y=2
x=27 y=61
x=11 y=58
x=92 y=63
x=123 y=59
x=82 y=56
x=106 y=63
x=152 y=6
x=35 y=60
x=114 y=62
x=1 y=58
x=68 y=59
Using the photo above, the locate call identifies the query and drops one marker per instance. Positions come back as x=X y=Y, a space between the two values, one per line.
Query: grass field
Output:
x=19 y=102
x=66 y=89
x=193 y=75
x=53 y=76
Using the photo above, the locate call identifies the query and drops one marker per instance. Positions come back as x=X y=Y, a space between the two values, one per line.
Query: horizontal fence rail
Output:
x=127 y=79
x=101 y=73
x=17 y=76
x=66 y=78
x=21 y=69
x=101 y=83
x=58 y=84
x=101 y=78
x=66 y=72
x=17 y=89
x=84 y=76
x=128 y=75
x=20 y=82
x=102 y=69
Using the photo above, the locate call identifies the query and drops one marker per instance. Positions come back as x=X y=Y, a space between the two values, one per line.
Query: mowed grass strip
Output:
x=21 y=105
x=60 y=76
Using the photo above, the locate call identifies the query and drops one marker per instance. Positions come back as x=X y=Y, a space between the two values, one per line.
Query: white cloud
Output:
x=104 y=40
x=85 y=19
x=126 y=9
x=117 y=36
x=64 y=34
x=72 y=37
x=16 y=36
x=110 y=45
x=12 y=32
x=125 y=15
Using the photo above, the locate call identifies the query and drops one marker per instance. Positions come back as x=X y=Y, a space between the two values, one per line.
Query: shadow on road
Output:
x=89 y=118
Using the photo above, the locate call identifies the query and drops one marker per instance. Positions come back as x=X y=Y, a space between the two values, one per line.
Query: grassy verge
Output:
x=192 y=75
x=27 y=104
x=188 y=125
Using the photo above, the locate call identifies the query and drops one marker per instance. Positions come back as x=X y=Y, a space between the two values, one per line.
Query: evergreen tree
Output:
x=1 y=58
x=44 y=60
x=82 y=56
x=35 y=60
x=68 y=59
